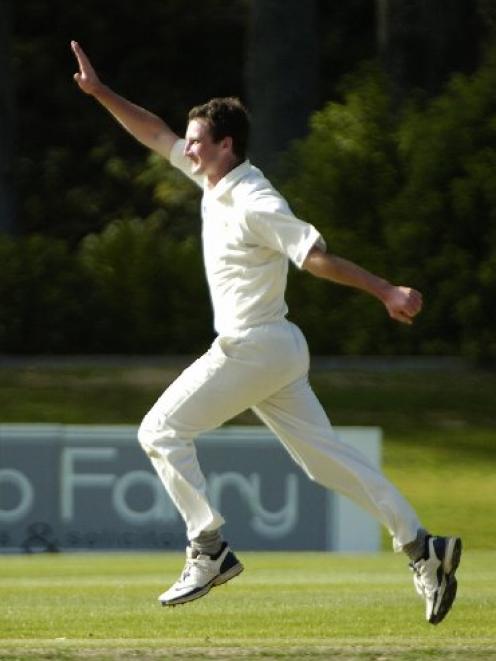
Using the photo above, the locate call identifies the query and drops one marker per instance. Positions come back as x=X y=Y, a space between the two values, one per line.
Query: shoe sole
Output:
x=230 y=573
x=451 y=562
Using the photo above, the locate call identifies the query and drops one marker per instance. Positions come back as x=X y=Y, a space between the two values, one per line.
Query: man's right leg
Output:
x=228 y=379
x=192 y=404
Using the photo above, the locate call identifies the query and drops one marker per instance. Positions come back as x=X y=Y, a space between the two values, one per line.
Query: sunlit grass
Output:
x=314 y=605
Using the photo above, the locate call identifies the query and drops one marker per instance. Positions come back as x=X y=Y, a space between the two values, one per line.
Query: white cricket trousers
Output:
x=265 y=369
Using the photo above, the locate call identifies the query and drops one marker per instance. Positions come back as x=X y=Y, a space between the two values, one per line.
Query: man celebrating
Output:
x=259 y=359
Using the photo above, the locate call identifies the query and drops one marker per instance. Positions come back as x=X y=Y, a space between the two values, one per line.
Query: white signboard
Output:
x=92 y=487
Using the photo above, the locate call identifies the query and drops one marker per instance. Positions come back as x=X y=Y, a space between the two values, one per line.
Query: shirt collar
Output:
x=229 y=180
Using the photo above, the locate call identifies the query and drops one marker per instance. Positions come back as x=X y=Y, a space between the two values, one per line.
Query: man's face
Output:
x=207 y=157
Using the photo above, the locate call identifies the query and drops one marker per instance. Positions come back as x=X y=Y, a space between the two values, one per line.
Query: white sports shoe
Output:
x=201 y=573
x=434 y=576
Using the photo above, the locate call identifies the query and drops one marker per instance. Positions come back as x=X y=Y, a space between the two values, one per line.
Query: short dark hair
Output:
x=226 y=116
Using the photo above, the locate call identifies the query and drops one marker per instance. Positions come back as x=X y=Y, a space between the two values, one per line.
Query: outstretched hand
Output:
x=403 y=303
x=86 y=77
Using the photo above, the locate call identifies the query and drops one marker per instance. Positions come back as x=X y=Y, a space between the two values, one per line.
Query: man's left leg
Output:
x=296 y=416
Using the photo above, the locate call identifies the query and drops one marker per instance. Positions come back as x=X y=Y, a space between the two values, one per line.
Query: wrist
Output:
x=384 y=290
x=99 y=91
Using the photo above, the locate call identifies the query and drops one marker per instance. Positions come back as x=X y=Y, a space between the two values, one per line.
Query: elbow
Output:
x=313 y=256
x=316 y=262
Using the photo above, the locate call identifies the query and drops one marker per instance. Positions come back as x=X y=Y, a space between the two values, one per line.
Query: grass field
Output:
x=285 y=605
x=439 y=448
x=395 y=399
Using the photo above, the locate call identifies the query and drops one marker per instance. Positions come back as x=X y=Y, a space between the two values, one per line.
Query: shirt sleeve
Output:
x=280 y=230
x=178 y=160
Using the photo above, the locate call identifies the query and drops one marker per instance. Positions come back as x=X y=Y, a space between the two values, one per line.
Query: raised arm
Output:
x=402 y=303
x=146 y=127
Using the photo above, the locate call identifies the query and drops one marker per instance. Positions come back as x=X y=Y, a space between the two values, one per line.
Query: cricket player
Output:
x=259 y=359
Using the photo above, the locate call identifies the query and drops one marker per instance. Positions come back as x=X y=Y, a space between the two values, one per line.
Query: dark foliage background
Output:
x=395 y=164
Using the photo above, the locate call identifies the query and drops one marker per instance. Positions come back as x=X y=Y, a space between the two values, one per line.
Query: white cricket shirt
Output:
x=248 y=234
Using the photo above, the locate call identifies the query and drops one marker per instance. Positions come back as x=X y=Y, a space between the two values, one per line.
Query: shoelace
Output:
x=192 y=565
x=187 y=568
x=427 y=584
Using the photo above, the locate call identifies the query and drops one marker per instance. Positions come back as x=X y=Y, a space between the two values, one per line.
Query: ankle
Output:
x=208 y=542
x=418 y=548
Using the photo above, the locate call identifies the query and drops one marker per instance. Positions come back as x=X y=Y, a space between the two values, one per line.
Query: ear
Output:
x=227 y=143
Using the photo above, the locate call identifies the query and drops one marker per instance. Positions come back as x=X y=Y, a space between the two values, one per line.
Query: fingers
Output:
x=415 y=301
x=86 y=77
x=401 y=316
x=76 y=49
x=83 y=61
x=404 y=304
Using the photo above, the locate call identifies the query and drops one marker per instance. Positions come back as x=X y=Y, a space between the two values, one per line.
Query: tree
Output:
x=281 y=74
x=7 y=207
x=76 y=166
x=421 y=42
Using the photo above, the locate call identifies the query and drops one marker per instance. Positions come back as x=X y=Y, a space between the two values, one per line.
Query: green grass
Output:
x=439 y=448
x=285 y=605
x=397 y=400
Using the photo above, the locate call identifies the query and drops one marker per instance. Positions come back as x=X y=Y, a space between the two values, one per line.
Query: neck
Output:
x=214 y=178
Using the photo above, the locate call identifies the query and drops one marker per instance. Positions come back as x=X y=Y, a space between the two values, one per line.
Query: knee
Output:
x=158 y=436
x=144 y=435
x=152 y=431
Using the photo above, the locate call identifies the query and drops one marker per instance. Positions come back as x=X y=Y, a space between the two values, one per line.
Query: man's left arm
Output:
x=402 y=303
